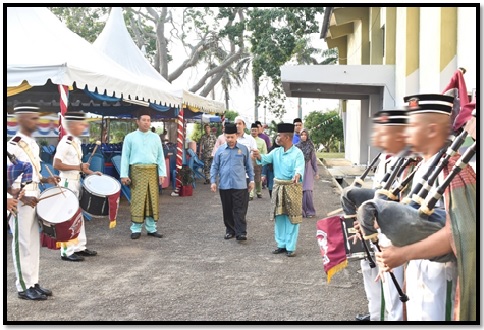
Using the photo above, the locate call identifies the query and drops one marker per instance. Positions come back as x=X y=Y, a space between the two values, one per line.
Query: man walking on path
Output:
x=231 y=164
x=287 y=191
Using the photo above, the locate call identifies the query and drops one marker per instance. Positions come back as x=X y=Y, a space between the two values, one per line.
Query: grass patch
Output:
x=330 y=155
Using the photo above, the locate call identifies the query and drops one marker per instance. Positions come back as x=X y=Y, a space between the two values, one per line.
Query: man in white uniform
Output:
x=25 y=226
x=67 y=160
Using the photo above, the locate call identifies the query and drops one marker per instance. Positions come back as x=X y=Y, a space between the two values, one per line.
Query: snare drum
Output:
x=353 y=251
x=95 y=192
x=59 y=214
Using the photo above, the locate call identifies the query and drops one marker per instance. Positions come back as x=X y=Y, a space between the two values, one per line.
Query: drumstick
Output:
x=50 y=195
x=98 y=143
x=57 y=183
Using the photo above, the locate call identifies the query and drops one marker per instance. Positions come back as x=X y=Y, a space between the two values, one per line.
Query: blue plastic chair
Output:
x=196 y=164
x=97 y=163
x=125 y=190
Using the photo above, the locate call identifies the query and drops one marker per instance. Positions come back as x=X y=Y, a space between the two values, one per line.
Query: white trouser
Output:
x=393 y=305
x=26 y=243
x=372 y=289
x=429 y=290
x=68 y=250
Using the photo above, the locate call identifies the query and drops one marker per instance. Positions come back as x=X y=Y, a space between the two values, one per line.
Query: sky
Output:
x=242 y=98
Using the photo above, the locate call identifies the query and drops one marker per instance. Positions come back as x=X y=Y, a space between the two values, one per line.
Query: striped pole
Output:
x=179 y=147
x=63 y=101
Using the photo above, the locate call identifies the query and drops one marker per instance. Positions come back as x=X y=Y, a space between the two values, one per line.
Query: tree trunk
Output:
x=255 y=83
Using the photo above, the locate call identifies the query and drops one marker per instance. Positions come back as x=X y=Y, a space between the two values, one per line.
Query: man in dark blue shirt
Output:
x=231 y=163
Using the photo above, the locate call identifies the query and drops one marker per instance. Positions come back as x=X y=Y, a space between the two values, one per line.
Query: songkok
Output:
x=144 y=112
x=239 y=118
x=297 y=120
x=230 y=129
x=285 y=128
x=254 y=125
x=429 y=103
x=258 y=123
x=391 y=117
x=26 y=108
x=77 y=116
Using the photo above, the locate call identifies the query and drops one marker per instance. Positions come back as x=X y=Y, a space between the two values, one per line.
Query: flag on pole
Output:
x=461 y=112
x=331 y=242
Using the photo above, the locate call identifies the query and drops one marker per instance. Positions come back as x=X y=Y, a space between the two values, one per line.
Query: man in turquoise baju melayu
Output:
x=288 y=162
x=143 y=168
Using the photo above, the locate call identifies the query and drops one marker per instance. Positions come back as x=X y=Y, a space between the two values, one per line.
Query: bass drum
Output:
x=95 y=192
x=59 y=214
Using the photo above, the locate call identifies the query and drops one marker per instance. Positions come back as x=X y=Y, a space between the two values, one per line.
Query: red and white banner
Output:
x=331 y=242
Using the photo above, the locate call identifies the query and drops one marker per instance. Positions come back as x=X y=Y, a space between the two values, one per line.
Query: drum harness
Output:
x=70 y=140
x=17 y=140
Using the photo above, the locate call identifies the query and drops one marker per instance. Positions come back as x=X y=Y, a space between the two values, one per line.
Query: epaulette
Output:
x=16 y=140
x=69 y=139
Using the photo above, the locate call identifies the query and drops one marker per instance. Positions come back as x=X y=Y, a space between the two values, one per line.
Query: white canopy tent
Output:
x=116 y=42
x=39 y=48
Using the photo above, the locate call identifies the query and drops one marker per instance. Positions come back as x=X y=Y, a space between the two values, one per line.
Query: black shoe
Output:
x=155 y=234
x=279 y=250
x=135 y=235
x=86 y=253
x=31 y=294
x=291 y=253
x=72 y=257
x=241 y=237
x=229 y=236
x=42 y=290
x=363 y=317
x=207 y=182
x=259 y=195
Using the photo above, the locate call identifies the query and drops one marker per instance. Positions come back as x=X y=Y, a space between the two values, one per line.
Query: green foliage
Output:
x=274 y=101
x=82 y=20
x=186 y=175
x=230 y=115
x=325 y=128
x=279 y=34
x=43 y=142
x=118 y=129
x=197 y=132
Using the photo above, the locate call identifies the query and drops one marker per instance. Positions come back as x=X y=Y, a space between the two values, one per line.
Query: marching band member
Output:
x=388 y=135
x=24 y=226
x=67 y=160
x=432 y=286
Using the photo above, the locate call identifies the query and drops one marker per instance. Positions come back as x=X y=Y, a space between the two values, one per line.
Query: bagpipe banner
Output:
x=331 y=242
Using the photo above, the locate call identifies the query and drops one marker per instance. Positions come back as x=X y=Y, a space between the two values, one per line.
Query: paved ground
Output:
x=192 y=273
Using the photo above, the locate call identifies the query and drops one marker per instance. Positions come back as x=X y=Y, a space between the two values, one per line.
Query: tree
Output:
x=219 y=41
x=277 y=35
x=197 y=132
x=325 y=128
x=230 y=115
